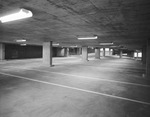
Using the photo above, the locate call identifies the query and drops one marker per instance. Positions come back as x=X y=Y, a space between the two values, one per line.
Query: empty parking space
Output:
x=97 y=88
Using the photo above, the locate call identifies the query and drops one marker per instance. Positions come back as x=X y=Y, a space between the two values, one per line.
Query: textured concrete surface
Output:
x=124 y=22
x=110 y=87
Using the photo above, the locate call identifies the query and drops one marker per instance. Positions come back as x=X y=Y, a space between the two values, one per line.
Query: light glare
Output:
x=106 y=43
x=23 y=44
x=23 y=40
x=23 y=13
x=55 y=44
x=82 y=38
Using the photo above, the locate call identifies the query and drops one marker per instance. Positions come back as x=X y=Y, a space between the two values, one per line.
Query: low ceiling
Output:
x=124 y=22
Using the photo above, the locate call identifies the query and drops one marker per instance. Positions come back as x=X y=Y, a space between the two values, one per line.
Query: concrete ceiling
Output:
x=124 y=22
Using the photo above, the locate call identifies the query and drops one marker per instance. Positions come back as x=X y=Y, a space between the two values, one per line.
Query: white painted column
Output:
x=85 y=53
x=148 y=59
x=47 y=53
x=2 y=51
x=97 y=53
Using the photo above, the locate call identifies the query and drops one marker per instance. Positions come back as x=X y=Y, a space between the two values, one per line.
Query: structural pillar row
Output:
x=2 y=51
x=97 y=53
x=148 y=59
x=47 y=53
x=85 y=53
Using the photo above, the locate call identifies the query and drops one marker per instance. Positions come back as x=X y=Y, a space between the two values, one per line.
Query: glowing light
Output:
x=23 y=44
x=106 y=44
x=55 y=44
x=22 y=40
x=85 y=38
x=23 y=13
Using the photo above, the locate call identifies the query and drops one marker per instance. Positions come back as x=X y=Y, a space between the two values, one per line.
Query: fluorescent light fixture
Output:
x=106 y=44
x=55 y=44
x=23 y=44
x=21 y=40
x=23 y=13
x=85 y=38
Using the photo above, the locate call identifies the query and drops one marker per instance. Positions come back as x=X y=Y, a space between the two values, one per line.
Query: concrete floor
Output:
x=110 y=87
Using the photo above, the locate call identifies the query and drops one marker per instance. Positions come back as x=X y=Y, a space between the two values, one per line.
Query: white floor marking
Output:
x=85 y=77
x=78 y=89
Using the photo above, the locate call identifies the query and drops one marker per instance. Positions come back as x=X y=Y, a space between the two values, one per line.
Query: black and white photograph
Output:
x=74 y=58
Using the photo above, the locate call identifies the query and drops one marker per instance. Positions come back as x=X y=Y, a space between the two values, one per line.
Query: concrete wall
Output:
x=74 y=51
x=58 y=52
x=14 y=51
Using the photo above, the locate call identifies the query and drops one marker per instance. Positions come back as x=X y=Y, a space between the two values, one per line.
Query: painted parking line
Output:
x=78 y=89
x=85 y=77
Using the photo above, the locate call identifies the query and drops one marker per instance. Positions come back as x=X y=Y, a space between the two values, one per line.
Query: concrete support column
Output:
x=148 y=59
x=62 y=52
x=109 y=51
x=68 y=52
x=85 y=53
x=97 y=53
x=104 y=52
x=47 y=53
x=120 y=55
x=101 y=51
x=144 y=55
x=80 y=50
x=65 y=52
x=2 y=51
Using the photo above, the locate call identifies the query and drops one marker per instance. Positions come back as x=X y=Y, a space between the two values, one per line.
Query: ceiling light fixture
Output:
x=55 y=44
x=106 y=43
x=22 y=40
x=86 y=38
x=23 y=44
x=23 y=13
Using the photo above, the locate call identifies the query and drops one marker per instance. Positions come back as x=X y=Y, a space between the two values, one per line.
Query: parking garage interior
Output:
x=75 y=58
